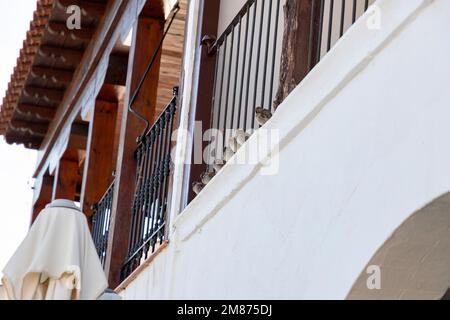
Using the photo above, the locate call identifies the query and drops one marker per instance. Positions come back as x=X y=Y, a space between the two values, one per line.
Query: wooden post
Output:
x=202 y=91
x=146 y=37
x=99 y=164
x=300 y=41
x=66 y=178
x=43 y=194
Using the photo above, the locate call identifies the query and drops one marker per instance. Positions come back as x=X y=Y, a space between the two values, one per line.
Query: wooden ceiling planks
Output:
x=171 y=59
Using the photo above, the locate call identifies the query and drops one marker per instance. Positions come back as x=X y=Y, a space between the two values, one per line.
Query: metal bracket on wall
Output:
x=209 y=41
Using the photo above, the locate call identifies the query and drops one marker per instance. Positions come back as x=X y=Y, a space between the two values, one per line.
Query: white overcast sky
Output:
x=16 y=162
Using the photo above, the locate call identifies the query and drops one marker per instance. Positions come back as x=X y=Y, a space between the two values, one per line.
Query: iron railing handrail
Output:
x=245 y=8
x=147 y=70
x=111 y=185
x=172 y=101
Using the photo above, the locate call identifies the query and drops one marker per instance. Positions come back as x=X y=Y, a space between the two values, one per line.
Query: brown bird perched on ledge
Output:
x=206 y=177
x=262 y=115
x=241 y=136
x=228 y=154
x=217 y=166
x=233 y=144
x=197 y=187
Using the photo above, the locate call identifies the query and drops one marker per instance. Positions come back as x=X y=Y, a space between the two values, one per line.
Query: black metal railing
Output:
x=248 y=55
x=148 y=221
x=101 y=222
x=336 y=16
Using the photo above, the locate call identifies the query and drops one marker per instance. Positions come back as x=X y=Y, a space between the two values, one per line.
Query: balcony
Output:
x=245 y=81
x=359 y=153
x=149 y=211
x=248 y=69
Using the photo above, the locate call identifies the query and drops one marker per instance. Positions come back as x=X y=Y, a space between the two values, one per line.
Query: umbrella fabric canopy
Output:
x=3 y=293
x=56 y=261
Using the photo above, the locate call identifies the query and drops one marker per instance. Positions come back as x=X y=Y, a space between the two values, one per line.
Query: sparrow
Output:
x=228 y=154
x=233 y=144
x=197 y=187
x=217 y=166
x=241 y=136
x=262 y=115
x=206 y=177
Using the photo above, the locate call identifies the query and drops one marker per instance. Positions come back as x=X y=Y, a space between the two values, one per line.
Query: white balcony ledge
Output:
x=351 y=55
x=363 y=145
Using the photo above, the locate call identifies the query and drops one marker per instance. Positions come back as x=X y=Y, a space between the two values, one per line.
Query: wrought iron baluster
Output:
x=274 y=54
x=250 y=66
x=221 y=85
x=167 y=163
x=213 y=101
x=330 y=25
x=322 y=20
x=341 y=33
x=101 y=220
x=236 y=75
x=156 y=184
x=244 y=60
x=266 y=58
x=228 y=86
x=258 y=56
x=136 y=201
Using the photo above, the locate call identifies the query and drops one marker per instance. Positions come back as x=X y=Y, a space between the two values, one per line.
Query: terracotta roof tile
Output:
x=26 y=56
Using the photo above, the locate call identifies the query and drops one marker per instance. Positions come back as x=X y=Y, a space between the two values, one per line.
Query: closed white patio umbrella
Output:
x=3 y=293
x=57 y=260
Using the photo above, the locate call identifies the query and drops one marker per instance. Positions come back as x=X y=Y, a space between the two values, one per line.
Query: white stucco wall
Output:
x=364 y=144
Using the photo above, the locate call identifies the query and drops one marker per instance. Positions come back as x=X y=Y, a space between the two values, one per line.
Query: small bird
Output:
x=241 y=136
x=206 y=177
x=217 y=166
x=228 y=154
x=233 y=144
x=262 y=115
x=197 y=187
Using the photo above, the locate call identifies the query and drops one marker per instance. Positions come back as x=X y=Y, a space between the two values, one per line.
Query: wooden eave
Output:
x=50 y=55
x=49 y=63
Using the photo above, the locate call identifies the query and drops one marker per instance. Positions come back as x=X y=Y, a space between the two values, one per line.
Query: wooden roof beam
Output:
x=29 y=141
x=39 y=129
x=64 y=55
x=60 y=29
x=48 y=95
x=52 y=74
x=41 y=112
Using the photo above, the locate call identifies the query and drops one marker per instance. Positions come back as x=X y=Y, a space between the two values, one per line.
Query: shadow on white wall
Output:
x=414 y=263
